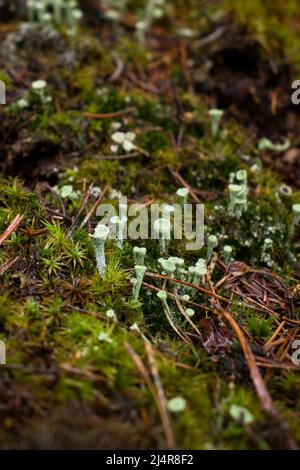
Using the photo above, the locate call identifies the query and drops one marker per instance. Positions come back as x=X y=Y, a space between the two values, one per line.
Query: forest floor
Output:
x=78 y=375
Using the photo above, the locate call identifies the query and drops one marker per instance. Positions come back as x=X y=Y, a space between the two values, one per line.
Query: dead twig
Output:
x=12 y=227
x=8 y=264
x=185 y=283
x=120 y=66
x=183 y=312
x=85 y=200
x=112 y=115
x=190 y=302
x=93 y=209
x=179 y=178
x=259 y=385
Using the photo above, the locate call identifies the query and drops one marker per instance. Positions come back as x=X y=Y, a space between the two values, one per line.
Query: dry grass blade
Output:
x=179 y=178
x=181 y=309
x=85 y=200
x=161 y=396
x=93 y=209
x=145 y=374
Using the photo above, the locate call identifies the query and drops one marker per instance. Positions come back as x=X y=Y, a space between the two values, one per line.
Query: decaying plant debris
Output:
x=88 y=366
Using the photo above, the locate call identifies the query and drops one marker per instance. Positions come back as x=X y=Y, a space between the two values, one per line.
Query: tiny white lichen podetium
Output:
x=139 y=254
x=38 y=86
x=119 y=226
x=196 y=273
x=176 y=260
x=75 y=16
x=190 y=312
x=135 y=327
x=31 y=10
x=296 y=214
x=40 y=9
x=139 y=276
x=265 y=255
x=268 y=243
x=111 y=314
x=99 y=237
x=227 y=252
x=191 y=273
x=162 y=227
x=215 y=116
x=237 y=200
x=162 y=295
x=267 y=144
x=167 y=211
x=168 y=267
x=186 y=297
x=285 y=190
x=201 y=263
x=212 y=243
x=46 y=19
x=176 y=405
x=242 y=177
x=122 y=210
x=58 y=7
x=179 y=262
x=182 y=194
x=200 y=271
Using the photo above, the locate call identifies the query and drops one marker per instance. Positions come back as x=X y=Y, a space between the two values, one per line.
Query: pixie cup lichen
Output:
x=266 y=252
x=176 y=405
x=296 y=214
x=237 y=200
x=162 y=295
x=215 y=117
x=227 y=252
x=182 y=194
x=212 y=243
x=167 y=211
x=162 y=228
x=99 y=238
x=138 y=281
x=168 y=267
x=119 y=225
x=178 y=262
x=190 y=312
x=139 y=254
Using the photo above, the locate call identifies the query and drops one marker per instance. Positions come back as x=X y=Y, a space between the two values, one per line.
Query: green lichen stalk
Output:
x=162 y=228
x=215 y=116
x=119 y=225
x=139 y=276
x=139 y=254
x=212 y=243
x=99 y=237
